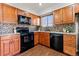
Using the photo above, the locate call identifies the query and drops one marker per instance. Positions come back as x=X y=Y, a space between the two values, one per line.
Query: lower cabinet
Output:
x=42 y=38
x=5 y=46
x=11 y=52
x=47 y=39
x=16 y=40
x=9 y=45
x=36 y=38
x=69 y=44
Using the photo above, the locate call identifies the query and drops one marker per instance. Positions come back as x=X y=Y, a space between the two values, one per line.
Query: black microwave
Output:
x=24 y=20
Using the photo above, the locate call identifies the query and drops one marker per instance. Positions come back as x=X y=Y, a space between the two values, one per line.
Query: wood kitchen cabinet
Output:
x=21 y=12
x=36 y=38
x=16 y=40
x=0 y=13
x=64 y=15
x=9 y=45
x=47 y=39
x=28 y=14
x=9 y=14
x=76 y=8
x=58 y=16
x=35 y=20
x=69 y=44
x=5 y=45
x=68 y=15
x=44 y=39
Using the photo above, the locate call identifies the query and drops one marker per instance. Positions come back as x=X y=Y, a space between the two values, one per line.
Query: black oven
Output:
x=26 y=42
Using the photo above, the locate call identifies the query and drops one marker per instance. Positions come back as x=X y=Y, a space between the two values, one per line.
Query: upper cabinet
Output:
x=0 y=13
x=9 y=14
x=68 y=15
x=64 y=15
x=76 y=8
x=35 y=20
x=58 y=16
x=28 y=14
x=21 y=12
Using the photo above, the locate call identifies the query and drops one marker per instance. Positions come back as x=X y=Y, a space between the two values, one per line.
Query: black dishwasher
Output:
x=56 y=41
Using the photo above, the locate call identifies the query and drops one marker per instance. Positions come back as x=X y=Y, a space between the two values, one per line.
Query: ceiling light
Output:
x=40 y=4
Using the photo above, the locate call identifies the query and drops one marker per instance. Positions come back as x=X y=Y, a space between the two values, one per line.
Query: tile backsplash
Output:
x=58 y=28
x=9 y=28
x=6 y=28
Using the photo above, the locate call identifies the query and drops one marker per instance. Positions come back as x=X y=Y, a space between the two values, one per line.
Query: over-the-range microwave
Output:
x=24 y=20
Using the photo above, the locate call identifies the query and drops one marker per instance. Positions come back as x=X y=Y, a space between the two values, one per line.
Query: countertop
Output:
x=8 y=34
x=58 y=32
x=40 y=31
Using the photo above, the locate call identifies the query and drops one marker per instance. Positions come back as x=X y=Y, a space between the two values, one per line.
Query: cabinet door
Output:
x=33 y=20
x=77 y=8
x=58 y=16
x=37 y=20
x=11 y=47
x=69 y=44
x=6 y=14
x=21 y=12
x=16 y=41
x=5 y=46
x=68 y=15
x=9 y=14
x=36 y=38
x=70 y=50
x=41 y=40
x=14 y=15
x=47 y=39
x=0 y=13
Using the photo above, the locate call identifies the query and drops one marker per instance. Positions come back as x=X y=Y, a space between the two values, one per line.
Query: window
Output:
x=44 y=21
x=47 y=21
x=50 y=20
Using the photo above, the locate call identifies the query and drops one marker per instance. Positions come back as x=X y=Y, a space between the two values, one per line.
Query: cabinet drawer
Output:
x=5 y=37
x=76 y=8
x=16 y=37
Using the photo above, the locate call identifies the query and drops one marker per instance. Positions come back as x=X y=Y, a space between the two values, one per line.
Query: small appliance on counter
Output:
x=27 y=41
